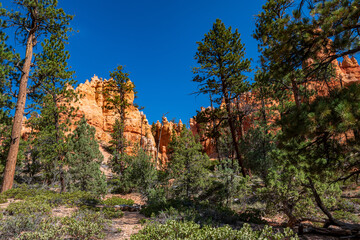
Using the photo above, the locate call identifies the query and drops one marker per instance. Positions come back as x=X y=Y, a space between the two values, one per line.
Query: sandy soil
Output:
x=129 y=224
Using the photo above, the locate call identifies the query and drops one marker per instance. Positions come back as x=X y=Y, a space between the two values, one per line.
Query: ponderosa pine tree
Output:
x=299 y=40
x=54 y=93
x=84 y=160
x=116 y=90
x=221 y=56
x=33 y=20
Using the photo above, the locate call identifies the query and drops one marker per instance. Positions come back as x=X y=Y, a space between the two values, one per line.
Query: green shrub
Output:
x=23 y=191
x=175 y=230
x=13 y=226
x=76 y=198
x=85 y=225
x=81 y=225
x=49 y=228
x=3 y=199
x=203 y=213
x=113 y=201
x=112 y=213
x=347 y=216
x=28 y=208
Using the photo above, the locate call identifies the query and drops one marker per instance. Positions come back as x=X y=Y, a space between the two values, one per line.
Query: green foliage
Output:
x=84 y=159
x=221 y=57
x=256 y=146
x=139 y=173
x=13 y=226
x=118 y=90
x=51 y=198
x=7 y=72
x=222 y=64
x=28 y=208
x=52 y=78
x=110 y=213
x=30 y=217
x=82 y=225
x=187 y=165
x=347 y=216
x=191 y=230
x=291 y=32
x=227 y=185
x=200 y=212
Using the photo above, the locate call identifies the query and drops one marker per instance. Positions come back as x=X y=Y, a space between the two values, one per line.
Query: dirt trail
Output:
x=129 y=224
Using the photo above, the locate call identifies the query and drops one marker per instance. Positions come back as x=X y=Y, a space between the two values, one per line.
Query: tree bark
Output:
x=9 y=172
x=295 y=90
x=233 y=132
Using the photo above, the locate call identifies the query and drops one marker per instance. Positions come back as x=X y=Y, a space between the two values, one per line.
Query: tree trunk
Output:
x=9 y=172
x=233 y=132
x=295 y=90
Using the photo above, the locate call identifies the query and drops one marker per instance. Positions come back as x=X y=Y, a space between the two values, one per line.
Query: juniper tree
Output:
x=221 y=57
x=33 y=20
x=84 y=160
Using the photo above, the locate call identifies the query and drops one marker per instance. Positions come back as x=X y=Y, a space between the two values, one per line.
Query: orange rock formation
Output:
x=167 y=130
x=92 y=105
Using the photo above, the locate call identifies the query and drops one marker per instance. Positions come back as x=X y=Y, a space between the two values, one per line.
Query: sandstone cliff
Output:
x=163 y=133
x=92 y=105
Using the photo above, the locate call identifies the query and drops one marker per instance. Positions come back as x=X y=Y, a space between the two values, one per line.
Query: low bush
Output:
x=76 y=198
x=28 y=208
x=13 y=226
x=83 y=225
x=176 y=230
x=3 y=199
x=110 y=213
x=203 y=213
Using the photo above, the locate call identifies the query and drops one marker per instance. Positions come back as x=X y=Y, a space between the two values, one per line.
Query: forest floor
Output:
x=122 y=228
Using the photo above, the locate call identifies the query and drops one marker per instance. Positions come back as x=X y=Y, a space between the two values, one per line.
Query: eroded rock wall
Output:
x=92 y=104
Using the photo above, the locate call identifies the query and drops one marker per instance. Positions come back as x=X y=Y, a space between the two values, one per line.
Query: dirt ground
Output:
x=129 y=225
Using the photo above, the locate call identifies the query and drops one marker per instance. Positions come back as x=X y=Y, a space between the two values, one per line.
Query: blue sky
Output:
x=156 y=41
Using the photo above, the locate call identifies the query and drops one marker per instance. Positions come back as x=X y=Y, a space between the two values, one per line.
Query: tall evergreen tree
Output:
x=84 y=159
x=54 y=93
x=187 y=165
x=117 y=90
x=318 y=136
x=34 y=20
x=221 y=56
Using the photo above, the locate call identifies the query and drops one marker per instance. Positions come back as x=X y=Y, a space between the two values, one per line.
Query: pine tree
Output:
x=221 y=72
x=33 y=20
x=83 y=161
x=117 y=90
x=299 y=41
x=318 y=138
x=54 y=93
x=187 y=165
